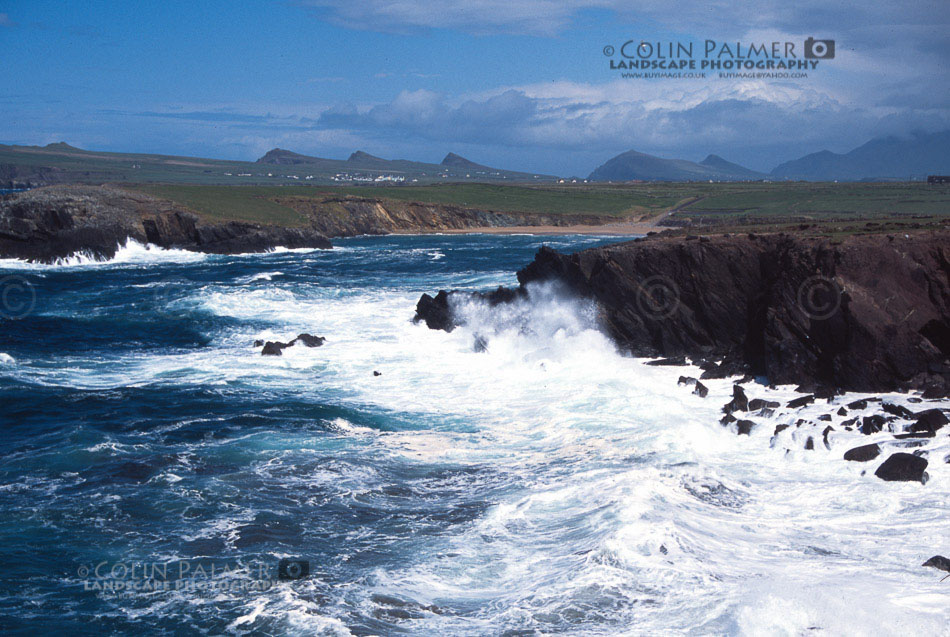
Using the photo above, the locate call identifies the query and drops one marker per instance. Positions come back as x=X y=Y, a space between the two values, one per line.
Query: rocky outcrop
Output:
x=51 y=223
x=903 y=467
x=866 y=313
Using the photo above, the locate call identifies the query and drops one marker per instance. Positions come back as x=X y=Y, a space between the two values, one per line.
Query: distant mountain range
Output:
x=881 y=159
x=633 y=165
x=454 y=166
x=26 y=166
x=885 y=158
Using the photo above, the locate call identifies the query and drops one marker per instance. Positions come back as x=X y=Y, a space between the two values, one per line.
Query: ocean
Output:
x=157 y=474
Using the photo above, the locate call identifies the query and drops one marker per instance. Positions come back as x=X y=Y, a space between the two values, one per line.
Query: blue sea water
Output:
x=547 y=485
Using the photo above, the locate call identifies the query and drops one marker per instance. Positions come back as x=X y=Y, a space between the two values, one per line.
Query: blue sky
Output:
x=521 y=84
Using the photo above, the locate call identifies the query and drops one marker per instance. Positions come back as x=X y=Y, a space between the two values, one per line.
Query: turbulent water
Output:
x=546 y=485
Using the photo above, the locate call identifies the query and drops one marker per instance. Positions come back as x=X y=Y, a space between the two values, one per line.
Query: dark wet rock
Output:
x=800 y=402
x=676 y=361
x=842 y=411
x=810 y=443
x=435 y=311
x=915 y=434
x=744 y=427
x=872 y=424
x=272 y=348
x=750 y=301
x=259 y=343
x=701 y=390
x=914 y=399
x=438 y=313
x=897 y=410
x=824 y=436
x=864 y=453
x=686 y=380
x=858 y=404
x=377 y=373
x=727 y=419
x=903 y=467
x=308 y=340
x=739 y=401
x=757 y=403
x=938 y=562
x=825 y=417
x=779 y=429
x=849 y=422
x=930 y=420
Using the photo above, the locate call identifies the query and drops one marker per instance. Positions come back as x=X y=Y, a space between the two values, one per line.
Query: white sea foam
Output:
x=131 y=253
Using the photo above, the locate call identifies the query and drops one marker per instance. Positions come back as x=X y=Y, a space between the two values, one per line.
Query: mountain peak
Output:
x=61 y=146
x=634 y=165
x=285 y=157
x=361 y=156
x=457 y=161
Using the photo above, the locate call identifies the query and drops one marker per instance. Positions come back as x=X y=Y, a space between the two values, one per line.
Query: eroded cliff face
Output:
x=349 y=216
x=867 y=313
x=54 y=222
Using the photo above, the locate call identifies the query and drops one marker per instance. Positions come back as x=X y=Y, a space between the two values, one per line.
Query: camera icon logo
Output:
x=819 y=49
x=293 y=569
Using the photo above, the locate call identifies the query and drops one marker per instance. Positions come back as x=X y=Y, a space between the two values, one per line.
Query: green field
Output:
x=697 y=203
x=261 y=203
x=228 y=203
x=820 y=200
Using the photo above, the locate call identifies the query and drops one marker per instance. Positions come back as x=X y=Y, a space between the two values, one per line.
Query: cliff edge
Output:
x=864 y=313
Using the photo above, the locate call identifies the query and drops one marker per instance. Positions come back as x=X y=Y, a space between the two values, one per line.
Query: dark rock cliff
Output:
x=54 y=222
x=868 y=313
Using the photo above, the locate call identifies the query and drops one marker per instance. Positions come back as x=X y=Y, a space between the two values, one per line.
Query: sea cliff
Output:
x=862 y=313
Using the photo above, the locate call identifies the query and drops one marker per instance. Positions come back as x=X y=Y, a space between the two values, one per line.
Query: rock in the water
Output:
x=858 y=404
x=938 y=562
x=686 y=380
x=864 y=453
x=272 y=348
x=824 y=436
x=779 y=429
x=259 y=343
x=377 y=373
x=842 y=412
x=739 y=401
x=308 y=340
x=810 y=443
x=929 y=420
x=435 y=311
x=800 y=402
x=757 y=403
x=745 y=427
x=825 y=417
x=872 y=424
x=897 y=410
x=701 y=390
x=903 y=467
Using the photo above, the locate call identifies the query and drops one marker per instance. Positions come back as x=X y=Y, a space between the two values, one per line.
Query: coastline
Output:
x=620 y=229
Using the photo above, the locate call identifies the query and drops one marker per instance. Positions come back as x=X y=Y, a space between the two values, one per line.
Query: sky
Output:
x=516 y=84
